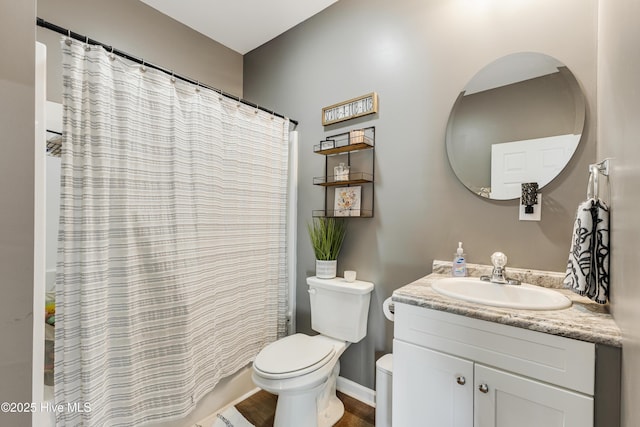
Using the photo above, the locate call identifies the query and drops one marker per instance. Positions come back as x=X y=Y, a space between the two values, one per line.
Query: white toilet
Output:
x=302 y=369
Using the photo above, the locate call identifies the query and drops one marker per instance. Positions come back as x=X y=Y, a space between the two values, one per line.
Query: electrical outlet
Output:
x=537 y=209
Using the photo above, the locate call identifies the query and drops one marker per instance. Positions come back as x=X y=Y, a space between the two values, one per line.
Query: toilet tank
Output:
x=340 y=309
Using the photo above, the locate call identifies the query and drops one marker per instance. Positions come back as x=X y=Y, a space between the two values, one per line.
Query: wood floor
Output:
x=260 y=408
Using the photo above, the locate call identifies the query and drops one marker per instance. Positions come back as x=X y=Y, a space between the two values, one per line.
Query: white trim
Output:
x=39 y=418
x=357 y=391
x=292 y=226
x=240 y=399
x=343 y=385
x=212 y=418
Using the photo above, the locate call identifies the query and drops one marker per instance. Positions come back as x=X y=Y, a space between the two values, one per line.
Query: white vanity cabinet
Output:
x=430 y=388
x=504 y=399
x=455 y=371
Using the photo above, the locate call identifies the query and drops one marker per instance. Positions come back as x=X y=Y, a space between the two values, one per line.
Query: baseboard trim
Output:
x=240 y=399
x=238 y=384
x=357 y=391
x=211 y=419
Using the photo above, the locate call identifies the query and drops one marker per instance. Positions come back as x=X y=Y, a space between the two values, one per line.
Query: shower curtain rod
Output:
x=58 y=29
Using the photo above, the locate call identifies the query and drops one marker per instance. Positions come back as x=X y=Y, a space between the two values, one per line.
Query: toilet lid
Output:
x=294 y=353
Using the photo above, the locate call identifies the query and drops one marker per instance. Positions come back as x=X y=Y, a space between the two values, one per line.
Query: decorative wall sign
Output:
x=346 y=110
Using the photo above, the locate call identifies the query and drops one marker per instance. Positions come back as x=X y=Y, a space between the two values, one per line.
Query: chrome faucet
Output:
x=499 y=261
x=498 y=274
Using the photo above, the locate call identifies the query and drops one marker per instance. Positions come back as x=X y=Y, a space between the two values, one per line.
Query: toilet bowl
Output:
x=301 y=369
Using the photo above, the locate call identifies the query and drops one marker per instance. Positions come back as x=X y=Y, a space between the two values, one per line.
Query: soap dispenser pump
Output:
x=459 y=268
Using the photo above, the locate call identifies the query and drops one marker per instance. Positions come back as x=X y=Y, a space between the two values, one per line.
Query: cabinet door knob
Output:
x=461 y=380
x=483 y=388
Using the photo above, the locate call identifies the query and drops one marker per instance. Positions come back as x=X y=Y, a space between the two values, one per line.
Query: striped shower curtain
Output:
x=172 y=264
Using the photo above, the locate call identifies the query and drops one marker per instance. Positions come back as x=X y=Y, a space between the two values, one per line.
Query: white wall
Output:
x=53 y=215
x=53 y=165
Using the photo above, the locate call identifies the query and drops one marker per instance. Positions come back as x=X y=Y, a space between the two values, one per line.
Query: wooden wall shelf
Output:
x=355 y=149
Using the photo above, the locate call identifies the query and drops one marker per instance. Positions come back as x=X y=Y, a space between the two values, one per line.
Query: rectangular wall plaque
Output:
x=346 y=110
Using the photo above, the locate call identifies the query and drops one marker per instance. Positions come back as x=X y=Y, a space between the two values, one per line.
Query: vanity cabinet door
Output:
x=430 y=389
x=506 y=400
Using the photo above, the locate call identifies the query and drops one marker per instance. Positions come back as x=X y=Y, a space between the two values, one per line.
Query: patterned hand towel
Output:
x=588 y=266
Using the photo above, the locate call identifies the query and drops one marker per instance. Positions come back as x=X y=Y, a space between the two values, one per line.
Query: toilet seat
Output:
x=293 y=356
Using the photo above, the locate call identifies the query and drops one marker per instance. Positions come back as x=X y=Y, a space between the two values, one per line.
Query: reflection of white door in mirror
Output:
x=533 y=160
x=521 y=97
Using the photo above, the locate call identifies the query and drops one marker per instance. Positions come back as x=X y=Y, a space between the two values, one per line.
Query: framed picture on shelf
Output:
x=347 y=201
x=327 y=144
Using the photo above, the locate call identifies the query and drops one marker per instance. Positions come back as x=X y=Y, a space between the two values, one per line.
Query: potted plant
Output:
x=327 y=235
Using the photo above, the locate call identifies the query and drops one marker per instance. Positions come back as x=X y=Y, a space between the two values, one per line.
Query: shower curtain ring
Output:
x=68 y=41
x=112 y=56
x=173 y=77
x=142 y=67
x=86 y=44
x=197 y=85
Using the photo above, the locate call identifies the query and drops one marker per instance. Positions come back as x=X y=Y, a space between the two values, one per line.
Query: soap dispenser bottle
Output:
x=459 y=263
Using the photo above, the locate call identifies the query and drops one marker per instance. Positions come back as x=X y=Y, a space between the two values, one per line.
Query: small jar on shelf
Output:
x=341 y=172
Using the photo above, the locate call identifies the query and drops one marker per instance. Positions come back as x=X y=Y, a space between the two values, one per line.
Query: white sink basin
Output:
x=524 y=296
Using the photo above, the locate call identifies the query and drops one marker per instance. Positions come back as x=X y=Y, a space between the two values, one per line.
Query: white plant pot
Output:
x=326 y=269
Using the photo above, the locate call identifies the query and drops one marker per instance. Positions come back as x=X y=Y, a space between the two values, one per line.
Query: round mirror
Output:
x=518 y=120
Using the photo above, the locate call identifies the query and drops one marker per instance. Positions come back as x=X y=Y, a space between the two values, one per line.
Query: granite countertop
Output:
x=585 y=320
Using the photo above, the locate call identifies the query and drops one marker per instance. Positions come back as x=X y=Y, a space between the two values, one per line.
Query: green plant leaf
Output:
x=327 y=235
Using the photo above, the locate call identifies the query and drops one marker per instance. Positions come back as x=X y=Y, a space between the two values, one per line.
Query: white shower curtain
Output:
x=172 y=269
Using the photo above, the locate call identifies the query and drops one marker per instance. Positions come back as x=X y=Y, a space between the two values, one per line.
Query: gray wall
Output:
x=17 y=116
x=140 y=30
x=418 y=55
x=618 y=130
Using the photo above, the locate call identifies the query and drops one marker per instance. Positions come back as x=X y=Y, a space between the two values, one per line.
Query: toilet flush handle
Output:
x=312 y=291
